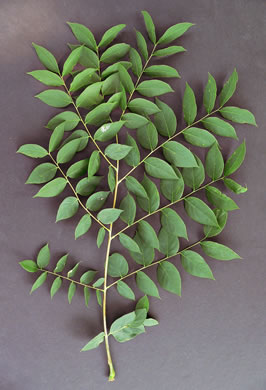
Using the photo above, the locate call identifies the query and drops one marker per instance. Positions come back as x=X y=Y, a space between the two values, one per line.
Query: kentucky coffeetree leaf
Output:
x=69 y=118
x=199 y=137
x=100 y=237
x=68 y=151
x=54 y=98
x=83 y=79
x=159 y=168
x=151 y=203
x=194 y=177
x=117 y=265
x=133 y=157
x=165 y=120
x=174 y=32
x=46 y=77
x=125 y=291
x=234 y=186
x=134 y=186
x=83 y=226
x=169 y=277
x=219 y=127
x=220 y=200
x=189 y=105
x=147 y=234
x=56 y=137
x=117 y=151
x=173 y=223
x=134 y=121
x=94 y=163
x=238 y=115
x=195 y=265
x=94 y=343
x=87 y=186
x=169 y=243
x=60 y=265
x=42 y=174
x=99 y=114
x=125 y=79
x=71 y=291
x=68 y=208
x=152 y=88
x=218 y=251
x=149 y=26
x=163 y=71
x=44 y=256
x=214 y=162
x=173 y=189
x=168 y=51
x=108 y=131
x=111 y=178
x=210 y=93
x=235 y=160
x=55 y=286
x=96 y=201
x=229 y=88
x=29 y=265
x=51 y=189
x=146 y=285
x=221 y=216
x=114 y=53
x=78 y=169
x=109 y=216
x=87 y=277
x=71 y=61
x=83 y=35
x=128 y=205
x=197 y=210
x=39 y=281
x=110 y=35
x=128 y=243
x=178 y=155
x=32 y=150
x=46 y=58
x=142 y=45
x=143 y=107
x=135 y=59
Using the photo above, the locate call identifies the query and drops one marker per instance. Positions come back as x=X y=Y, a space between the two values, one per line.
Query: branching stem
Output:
x=165 y=142
x=154 y=263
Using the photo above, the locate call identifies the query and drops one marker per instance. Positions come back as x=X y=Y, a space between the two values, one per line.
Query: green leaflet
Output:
x=173 y=189
x=135 y=59
x=218 y=251
x=117 y=151
x=114 y=53
x=169 y=243
x=108 y=131
x=94 y=163
x=220 y=200
x=114 y=68
x=159 y=168
x=55 y=286
x=199 y=137
x=128 y=243
x=69 y=118
x=161 y=71
x=210 y=93
x=87 y=295
x=169 y=277
x=117 y=265
x=134 y=121
x=100 y=237
x=96 y=201
x=238 y=115
x=56 y=137
x=71 y=291
x=128 y=205
x=111 y=85
x=32 y=150
x=150 y=322
x=90 y=96
x=214 y=162
x=83 y=79
x=143 y=303
x=152 y=88
x=142 y=45
x=88 y=277
x=149 y=26
x=39 y=281
x=46 y=58
x=111 y=178
x=143 y=107
x=54 y=188
x=147 y=136
x=94 y=343
x=125 y=291
x=219 y=127
x=68 y=151
x=133 y=157
x=165 y=120
x=83 y=226
x=108 y=216
x=221 y=216
x=29 y=265
x=173 y=223
x=200 y=212
x=229 y=88
x=61 y=264
x=54 y=98
x=135 y=187
x=78 y=169
x=87 y=58
x=111 y=34
x=234 y=186
x=194 y=177
x=152 y=202
x=46 y=77
x=73 y=271
x=147 y=234
x=80 y=135
x=68 y=208
x=99 y=114
x=174 y=32
x=178 y=155
x=71 y=61
x=42 y=174
x=169 y=51
x=189 y=105
x=87 y=186
x=125 y=79
x=83 y=35
x=146 y=285
x=195 y=265
x=235 y=160
x=147 y=254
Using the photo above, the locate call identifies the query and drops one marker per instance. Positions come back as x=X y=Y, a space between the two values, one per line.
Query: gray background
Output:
x=213 y=338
